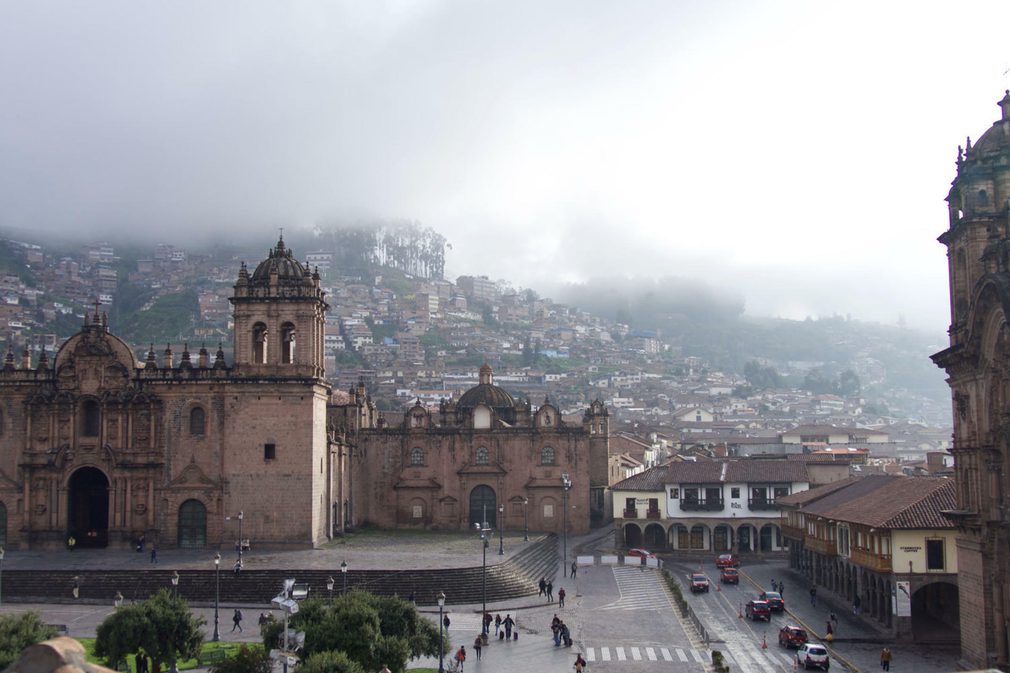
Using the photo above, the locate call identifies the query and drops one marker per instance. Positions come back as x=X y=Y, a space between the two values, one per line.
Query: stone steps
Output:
x=513 y=578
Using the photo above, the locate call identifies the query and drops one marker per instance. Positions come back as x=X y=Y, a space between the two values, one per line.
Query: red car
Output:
x=729 y=576
x=792 y=636
x=774 y=600
x=640 y=553
x=727 y=561
x=756 y=610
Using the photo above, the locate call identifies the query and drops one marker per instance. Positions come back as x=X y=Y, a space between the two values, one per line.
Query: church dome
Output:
x=486 y=393
x=997 y=137
x=281 y=262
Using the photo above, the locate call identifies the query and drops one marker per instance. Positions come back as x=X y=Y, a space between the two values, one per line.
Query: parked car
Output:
x=640 y=553
x=727 y=561
x=757 y=610
x=774 y=600
x=729 y=576
x=792 y=636
x=813 y=655
x=699 y=582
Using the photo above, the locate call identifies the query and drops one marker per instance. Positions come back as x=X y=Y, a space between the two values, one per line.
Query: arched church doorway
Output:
x=483 y=506
x=88 y=507
x=192 y=525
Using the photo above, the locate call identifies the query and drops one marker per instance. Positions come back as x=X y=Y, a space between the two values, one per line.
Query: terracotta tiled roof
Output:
x=715 y=472
x=804 y=497
x=885 y=501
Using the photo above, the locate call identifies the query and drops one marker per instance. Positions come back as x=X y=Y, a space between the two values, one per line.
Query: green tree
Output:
x=246 y=660
x=162 y=626
x=330 y=662
x=20 y=631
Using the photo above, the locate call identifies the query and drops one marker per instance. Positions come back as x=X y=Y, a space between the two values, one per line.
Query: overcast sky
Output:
x=797 y=153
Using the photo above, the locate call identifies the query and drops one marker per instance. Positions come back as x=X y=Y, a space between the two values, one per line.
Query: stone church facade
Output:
x=978 y=366
x=104 y=448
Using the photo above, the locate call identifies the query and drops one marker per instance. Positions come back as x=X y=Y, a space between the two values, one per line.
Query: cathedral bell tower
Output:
x=279 y=315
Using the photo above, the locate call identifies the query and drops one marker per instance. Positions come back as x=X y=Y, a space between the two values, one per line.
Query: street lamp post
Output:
x=566 y=485
x=343 y=571
x=526 y=520
x=2 y=553
x=329 y=587
x=241 y=515
x=217 y=595
x=485 y=531
x=175 y=582
x=501 y=530
x=117 y=600
x=441 y=641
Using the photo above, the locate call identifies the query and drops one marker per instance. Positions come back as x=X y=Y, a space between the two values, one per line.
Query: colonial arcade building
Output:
x=99 y=446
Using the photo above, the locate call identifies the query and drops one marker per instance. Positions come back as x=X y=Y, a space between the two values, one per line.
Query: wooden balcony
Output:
x=826 y=547
x=761 y=504
x=631 y=514
x=702 y=505
x=653 y=514
x=867 y=559
x=792 y=532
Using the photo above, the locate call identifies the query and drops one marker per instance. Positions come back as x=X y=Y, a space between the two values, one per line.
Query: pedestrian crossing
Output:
x=757 y=660
x=639 y=590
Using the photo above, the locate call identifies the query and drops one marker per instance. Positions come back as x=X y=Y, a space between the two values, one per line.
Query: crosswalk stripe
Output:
x=605 y=653
x=666 y=654
x=681 y=655
x=651 y=653
x=590 y=654
x=636 y=654
x=620 y=654
x=728 y=657
x=697 y=656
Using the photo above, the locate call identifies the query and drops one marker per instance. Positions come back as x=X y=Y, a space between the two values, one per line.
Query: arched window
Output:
x=481 y=456
x=287 y=343
x=983 y=197
x=547 y=455
x=92 y=418
x=417 y=456
x=259 y=343
x=197 y=421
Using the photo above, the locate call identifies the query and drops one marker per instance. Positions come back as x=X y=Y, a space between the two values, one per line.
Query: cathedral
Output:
x=977 y=363
x=188 y=450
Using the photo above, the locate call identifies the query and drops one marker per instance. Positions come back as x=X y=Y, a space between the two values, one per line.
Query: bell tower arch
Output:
x=279 y=312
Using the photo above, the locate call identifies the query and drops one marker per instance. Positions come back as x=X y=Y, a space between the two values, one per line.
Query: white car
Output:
x=813 y=655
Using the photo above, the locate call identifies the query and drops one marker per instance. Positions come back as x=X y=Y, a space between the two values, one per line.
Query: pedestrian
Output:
x=141 y=661
x=834 y=619
x=477 y=644
x=497 y=623
x=461 y=657
x=580 y=663
x=236 y=619
x=561 y=597
x=775 y=587
x=140 y=543
x=857 y=604
x=782 y=588
x=238 y=567
x=813 y=596
x=543 y=586
x=154 y=555
x=556 y=631
x=508 y=623
x=445 y=622
x=550 y=592
x=829 y=632
x=575 y=569
x=263 y=619
x=885 y=658
x=566 y=635
x=487 y=624
x=71 y=542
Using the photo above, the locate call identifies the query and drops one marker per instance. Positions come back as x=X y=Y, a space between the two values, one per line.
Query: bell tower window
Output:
x=259 y=343
x=287 y=343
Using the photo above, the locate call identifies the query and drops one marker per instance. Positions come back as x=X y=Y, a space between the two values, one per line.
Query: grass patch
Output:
x=229 y=648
